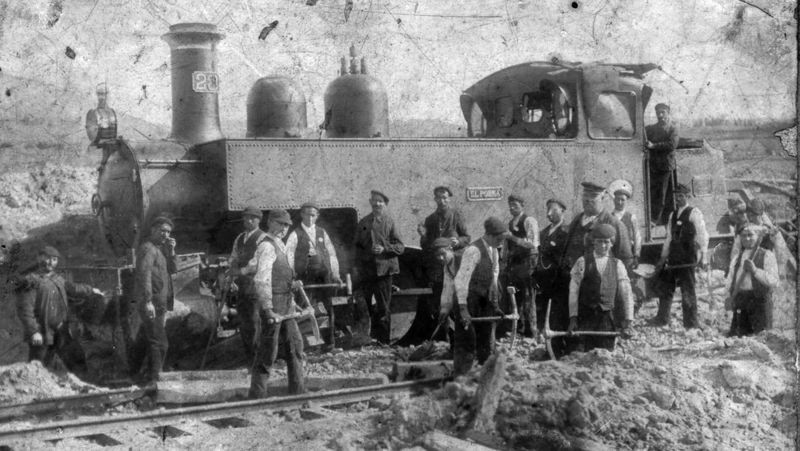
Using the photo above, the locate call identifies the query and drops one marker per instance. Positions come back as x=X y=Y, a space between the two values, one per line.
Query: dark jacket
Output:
x=384 y=233
x=450 y=224
x=551 y=247
x=579 y=242
x=42 y=302
x=665 y=141
x=152 y=278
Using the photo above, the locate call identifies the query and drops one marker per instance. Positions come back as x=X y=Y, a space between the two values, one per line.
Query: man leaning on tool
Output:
x=247 y=305
x=599 y=281
x=377 y=246
x=477 y=288
x=683 y=250
x=313 y=257
x=274 y=281
x=155 y=264
x=521 y=252
x=42 y=305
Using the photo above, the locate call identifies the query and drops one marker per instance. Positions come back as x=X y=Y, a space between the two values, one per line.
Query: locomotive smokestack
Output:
x=195 y=82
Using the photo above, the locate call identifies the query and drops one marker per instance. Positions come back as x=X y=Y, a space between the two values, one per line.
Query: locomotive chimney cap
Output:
x=193 y=27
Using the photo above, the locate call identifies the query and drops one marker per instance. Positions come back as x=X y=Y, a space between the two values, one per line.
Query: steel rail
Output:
x=76 y=428
x=62 y=403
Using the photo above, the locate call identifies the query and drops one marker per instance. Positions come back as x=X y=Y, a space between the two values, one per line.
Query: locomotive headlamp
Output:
x=101 y=122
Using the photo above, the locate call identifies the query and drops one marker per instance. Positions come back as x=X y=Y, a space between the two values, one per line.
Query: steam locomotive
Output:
x=538 y=129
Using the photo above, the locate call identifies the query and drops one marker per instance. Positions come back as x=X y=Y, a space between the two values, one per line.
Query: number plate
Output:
x=205 y=81
x=488 y=193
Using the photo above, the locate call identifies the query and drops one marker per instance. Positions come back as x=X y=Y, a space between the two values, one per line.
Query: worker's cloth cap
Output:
x=310 y=204
x=494 y=226
x=662 y=106
x=555 y=201
x=735 y=203
x=253 y=211
x=683 y=189
x=442 y=188
x=49 y=251
x=756 y=207
x=162 y=220
x=280 y=216
x=758 y=228
x=441 y=242
x=378 y=193
x=516 y=198
x=603 y=232
x=624 y=190
x=592 y=188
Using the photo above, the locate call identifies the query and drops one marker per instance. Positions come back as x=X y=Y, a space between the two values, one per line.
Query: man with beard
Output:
x=662 y=140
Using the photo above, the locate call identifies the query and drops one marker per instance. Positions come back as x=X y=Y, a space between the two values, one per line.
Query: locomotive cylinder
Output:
x=276 y=108
x=356 y=104
x=195 y=82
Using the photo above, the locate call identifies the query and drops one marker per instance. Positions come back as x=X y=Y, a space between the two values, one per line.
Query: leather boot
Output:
x=258 y=385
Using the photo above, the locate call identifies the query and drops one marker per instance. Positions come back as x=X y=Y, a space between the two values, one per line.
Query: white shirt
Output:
x=586 y=219
x=635 y=234
x=623 y=284
x=470 y=259
x=291 y=247
x=531 y=229
x=263 y=260
x=448 y=285
x=767 y=276
x=700 y=237
x=249 y=268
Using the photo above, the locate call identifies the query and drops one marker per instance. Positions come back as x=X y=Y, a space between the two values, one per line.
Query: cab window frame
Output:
x=634 y=114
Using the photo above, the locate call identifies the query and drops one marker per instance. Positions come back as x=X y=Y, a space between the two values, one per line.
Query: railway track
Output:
x=101 y=430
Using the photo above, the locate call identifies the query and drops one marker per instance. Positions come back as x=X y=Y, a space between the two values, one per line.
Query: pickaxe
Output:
x=348 y=283
x=550 y=334
x=514 y=317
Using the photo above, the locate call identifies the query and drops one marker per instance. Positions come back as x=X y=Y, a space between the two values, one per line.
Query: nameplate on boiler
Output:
x=484 y=194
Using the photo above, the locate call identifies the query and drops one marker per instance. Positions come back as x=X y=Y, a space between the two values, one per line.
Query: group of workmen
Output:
x=580 y=272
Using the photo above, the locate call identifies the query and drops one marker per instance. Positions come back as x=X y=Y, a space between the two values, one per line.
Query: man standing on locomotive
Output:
x=274 y=281
x=521 y=252
x=377 y=246
x=155 y=264
x=662 y=140
x=445 y=222
x=683 y=250
x=247 y=306
x=311 y=253
x=477 y=288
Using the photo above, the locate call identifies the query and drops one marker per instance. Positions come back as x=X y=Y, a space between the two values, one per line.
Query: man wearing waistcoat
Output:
x=520 y=254
x=552 y=241
x=753 y=276
x=598 y=282
x=683 y=250
x=274 y=282
x=241 y=269
x=476 y=287
x=313 y=257
x=377 y=246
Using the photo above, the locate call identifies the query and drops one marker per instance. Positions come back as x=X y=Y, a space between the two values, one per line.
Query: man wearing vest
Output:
x=521 y=250
x=313 y=257
x=684 y=249
x=445 y=222
x=242 y=270
x=552 y=241
x=477 y=288
x=631 y=223
x=598 y=282
x=274 y=282
x=377 y=246
x=753 y=276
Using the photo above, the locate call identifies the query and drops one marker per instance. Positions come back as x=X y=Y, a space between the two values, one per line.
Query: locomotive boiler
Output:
x=538 y=129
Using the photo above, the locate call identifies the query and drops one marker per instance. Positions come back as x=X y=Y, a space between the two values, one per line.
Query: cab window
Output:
x=612 y=115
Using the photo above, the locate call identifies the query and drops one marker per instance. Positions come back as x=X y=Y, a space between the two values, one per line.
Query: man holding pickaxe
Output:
x=274 y=282
x=684 y=249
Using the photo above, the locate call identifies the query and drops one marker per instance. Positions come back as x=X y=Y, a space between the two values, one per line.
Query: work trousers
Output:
x=519 y=276
x=317 y=273
x=750 y=314
x=477 y=340
x=282 y=340
x=660 y=183
x=597 y=320
x=248 y=309
x=155 y=335
x=558 y=294
x=55 y=356
x=381 y=288
x=669 y=279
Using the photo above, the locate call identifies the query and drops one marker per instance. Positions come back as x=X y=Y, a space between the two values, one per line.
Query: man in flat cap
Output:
x=446 y=222
x=751 y=281
x=274 y=281
x=247 y=305
x=377 y=246
x=43 y=305
x=152 y=291
x=734 y=217
x=662 y=140
x=476 y=286
x=552 y=242
x=597 y=283
x=683 y=250
x=313 y=257
x=520 y=254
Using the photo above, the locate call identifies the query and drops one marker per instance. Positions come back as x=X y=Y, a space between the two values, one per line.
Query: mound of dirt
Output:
x=25 y=382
